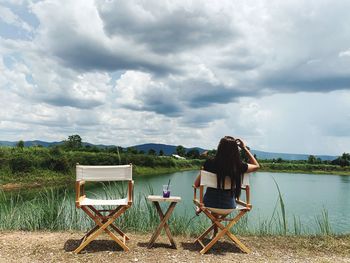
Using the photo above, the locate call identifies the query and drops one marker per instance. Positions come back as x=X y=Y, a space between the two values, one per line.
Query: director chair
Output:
x=103 y=218
x=217 y=215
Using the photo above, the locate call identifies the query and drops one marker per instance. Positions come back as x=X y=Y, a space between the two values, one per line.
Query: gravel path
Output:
x=17 y=246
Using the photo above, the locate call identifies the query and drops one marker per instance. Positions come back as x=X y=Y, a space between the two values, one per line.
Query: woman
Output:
x=227 y=163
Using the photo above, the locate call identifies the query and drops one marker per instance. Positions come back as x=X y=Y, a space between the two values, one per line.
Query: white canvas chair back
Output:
x=209 y=179
x=103 y=173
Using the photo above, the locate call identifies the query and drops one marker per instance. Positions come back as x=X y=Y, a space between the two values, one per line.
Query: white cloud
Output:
x=10 y=18
x=345 y=53
x=190 y=72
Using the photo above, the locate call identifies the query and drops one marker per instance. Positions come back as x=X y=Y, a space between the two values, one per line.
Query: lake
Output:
x=306 y=196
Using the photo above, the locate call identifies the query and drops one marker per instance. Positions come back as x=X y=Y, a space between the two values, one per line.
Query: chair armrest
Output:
x=130 y=192
x=194 y=192
x=79 y=192
x=195 y=200
x=248 y=206
x=247 y=196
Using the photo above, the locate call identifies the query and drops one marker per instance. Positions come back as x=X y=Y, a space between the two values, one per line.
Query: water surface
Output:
x=305 y=196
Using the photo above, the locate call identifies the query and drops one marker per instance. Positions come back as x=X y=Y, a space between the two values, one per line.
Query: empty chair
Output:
x=103 y=218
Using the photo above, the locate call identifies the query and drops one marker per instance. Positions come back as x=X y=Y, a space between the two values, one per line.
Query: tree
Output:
x=180 y=150
x=193 y=153
x=152 y=152
x=20 y=144
x=343 y=160
x=161 y=153
x=211 y=153
x=312 y=159
x=131 y=150
x=74 y=142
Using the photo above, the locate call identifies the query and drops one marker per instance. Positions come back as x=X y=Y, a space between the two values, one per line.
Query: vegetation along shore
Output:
x=41 y=166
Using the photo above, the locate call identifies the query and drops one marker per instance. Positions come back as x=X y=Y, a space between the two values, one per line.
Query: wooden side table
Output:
x=173 y=200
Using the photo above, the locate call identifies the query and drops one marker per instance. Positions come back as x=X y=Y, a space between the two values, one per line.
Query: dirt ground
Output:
x=17 y=246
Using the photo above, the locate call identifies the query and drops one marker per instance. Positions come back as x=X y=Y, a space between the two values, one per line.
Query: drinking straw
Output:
x=167 y=188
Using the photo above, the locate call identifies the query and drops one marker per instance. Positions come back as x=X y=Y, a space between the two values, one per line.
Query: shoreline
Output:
x=345 y=173
x=139 y=172
x=142 y=171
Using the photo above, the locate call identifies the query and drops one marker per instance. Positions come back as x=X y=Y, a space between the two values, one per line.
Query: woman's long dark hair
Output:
x=228 y=163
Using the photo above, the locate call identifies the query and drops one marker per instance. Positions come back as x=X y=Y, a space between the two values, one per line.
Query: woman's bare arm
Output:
x=253 y=164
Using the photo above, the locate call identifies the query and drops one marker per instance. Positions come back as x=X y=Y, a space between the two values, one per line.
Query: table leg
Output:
x=166 y=226
x=164 y=220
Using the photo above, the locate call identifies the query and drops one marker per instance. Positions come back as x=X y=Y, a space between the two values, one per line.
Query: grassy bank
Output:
x=42 y=178
x=297 y=167
x=36 y=166
x=54 y=209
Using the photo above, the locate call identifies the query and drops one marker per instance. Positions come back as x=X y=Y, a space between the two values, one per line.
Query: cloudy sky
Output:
x=275 y=73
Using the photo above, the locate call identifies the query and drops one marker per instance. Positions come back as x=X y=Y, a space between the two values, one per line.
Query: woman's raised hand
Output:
x=240 y=143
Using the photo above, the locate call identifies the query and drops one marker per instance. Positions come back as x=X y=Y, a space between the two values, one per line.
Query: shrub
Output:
x=58 y=164
x=20 y=163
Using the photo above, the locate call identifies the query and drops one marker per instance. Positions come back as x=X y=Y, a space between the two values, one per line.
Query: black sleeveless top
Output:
x=219 y=198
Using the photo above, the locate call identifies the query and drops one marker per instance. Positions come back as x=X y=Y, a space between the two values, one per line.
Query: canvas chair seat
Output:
x=221 y=211
x=88 y=201
x=104 y=217
x=218 y=215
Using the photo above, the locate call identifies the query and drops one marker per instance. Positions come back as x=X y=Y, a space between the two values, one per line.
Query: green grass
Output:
x=44 y=166
x=296 y=167
x=146 y=171
x=54 y=209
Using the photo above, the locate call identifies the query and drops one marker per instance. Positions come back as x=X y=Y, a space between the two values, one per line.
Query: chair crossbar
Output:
x=101 y=225
x=225 y=230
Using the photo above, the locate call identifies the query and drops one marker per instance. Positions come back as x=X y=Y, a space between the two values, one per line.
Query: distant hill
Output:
x=167 y=149
x=30 y=143
x=47 y=144
x=170 y=149
x=289 y=156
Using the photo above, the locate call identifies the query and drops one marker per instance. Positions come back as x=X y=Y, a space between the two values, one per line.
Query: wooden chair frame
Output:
x=216 y=217
x=103 y=221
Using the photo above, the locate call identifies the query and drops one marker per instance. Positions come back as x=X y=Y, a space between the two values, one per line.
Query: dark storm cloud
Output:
x=220 y=95
x=161 y=106
x=164 y=30
x=157 y=106
x=83 y=54
x=72 y=102
x=295 y=83
x=235 y=65
x=198 y=93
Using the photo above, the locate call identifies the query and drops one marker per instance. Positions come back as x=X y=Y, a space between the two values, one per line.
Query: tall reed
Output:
x=54 y=209
x=323 y=224
x=283 y=210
